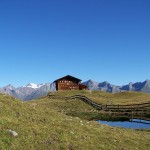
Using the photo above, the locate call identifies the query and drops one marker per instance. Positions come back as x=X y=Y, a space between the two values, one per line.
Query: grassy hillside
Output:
x=42 y=126
x=76 y=108
x=115 y=98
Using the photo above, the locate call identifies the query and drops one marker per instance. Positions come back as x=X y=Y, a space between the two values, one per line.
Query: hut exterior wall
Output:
x=67 y=85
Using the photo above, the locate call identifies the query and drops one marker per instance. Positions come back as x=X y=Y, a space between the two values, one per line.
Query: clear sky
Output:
x=103 y=40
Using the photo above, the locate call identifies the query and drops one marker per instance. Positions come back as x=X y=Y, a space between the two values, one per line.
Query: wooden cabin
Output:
x=82 y=87
x=69 y=83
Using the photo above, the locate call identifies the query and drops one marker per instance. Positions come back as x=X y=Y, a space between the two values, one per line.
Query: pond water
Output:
x=133 y=124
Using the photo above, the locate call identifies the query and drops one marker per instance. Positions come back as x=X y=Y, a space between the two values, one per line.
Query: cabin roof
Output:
x=70 y=77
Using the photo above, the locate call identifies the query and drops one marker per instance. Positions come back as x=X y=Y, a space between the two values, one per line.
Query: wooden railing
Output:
x=86 y=100
x=131 y=107
x=106 y=107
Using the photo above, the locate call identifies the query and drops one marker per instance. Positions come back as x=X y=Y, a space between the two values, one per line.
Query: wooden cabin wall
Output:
x=67 y=85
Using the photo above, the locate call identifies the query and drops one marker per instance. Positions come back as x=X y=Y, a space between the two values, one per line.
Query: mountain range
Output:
x=107 y=87
x=34 y=91
x=30 y=91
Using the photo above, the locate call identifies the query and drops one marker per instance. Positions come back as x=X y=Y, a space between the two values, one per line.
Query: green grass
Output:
x=43 y=125
x=106 y=98
x=76 y=108
x=122 y=98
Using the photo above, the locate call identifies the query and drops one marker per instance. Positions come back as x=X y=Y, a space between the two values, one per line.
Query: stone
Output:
x=13 y=133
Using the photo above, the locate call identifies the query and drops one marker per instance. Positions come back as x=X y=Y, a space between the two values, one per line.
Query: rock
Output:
x=13 y=133
x=71 y=132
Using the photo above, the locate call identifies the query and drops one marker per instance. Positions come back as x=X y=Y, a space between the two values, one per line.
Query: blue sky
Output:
x=103 y=40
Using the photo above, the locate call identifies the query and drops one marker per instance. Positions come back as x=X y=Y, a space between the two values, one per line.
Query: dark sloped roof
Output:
x=68 y=76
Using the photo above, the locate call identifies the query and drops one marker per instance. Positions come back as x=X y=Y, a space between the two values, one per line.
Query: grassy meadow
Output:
x=49 y=124
x=105 y=98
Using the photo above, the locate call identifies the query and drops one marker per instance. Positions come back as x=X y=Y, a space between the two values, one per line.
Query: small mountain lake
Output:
x=132 y=124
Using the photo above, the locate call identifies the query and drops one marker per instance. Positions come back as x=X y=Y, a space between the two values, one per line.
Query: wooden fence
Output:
x=106 y=107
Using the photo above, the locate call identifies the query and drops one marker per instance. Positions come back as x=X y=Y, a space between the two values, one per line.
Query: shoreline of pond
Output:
x=107 y=116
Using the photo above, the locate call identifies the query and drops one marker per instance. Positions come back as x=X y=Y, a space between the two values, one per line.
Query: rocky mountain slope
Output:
x=34 y=91
x=105 y=86
x=28 y=92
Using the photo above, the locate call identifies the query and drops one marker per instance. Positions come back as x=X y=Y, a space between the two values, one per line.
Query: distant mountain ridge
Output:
x=28 y=92
x=107 y=87
x=34 y=91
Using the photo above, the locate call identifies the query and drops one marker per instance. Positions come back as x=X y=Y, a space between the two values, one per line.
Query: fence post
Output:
x=131 y=114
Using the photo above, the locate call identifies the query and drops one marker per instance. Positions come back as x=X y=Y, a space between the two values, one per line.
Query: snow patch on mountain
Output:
x=34 y=91
x=33 y=85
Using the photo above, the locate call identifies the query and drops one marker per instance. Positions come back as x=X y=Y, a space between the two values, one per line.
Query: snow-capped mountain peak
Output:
x=33 y=85
x=34 y=91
